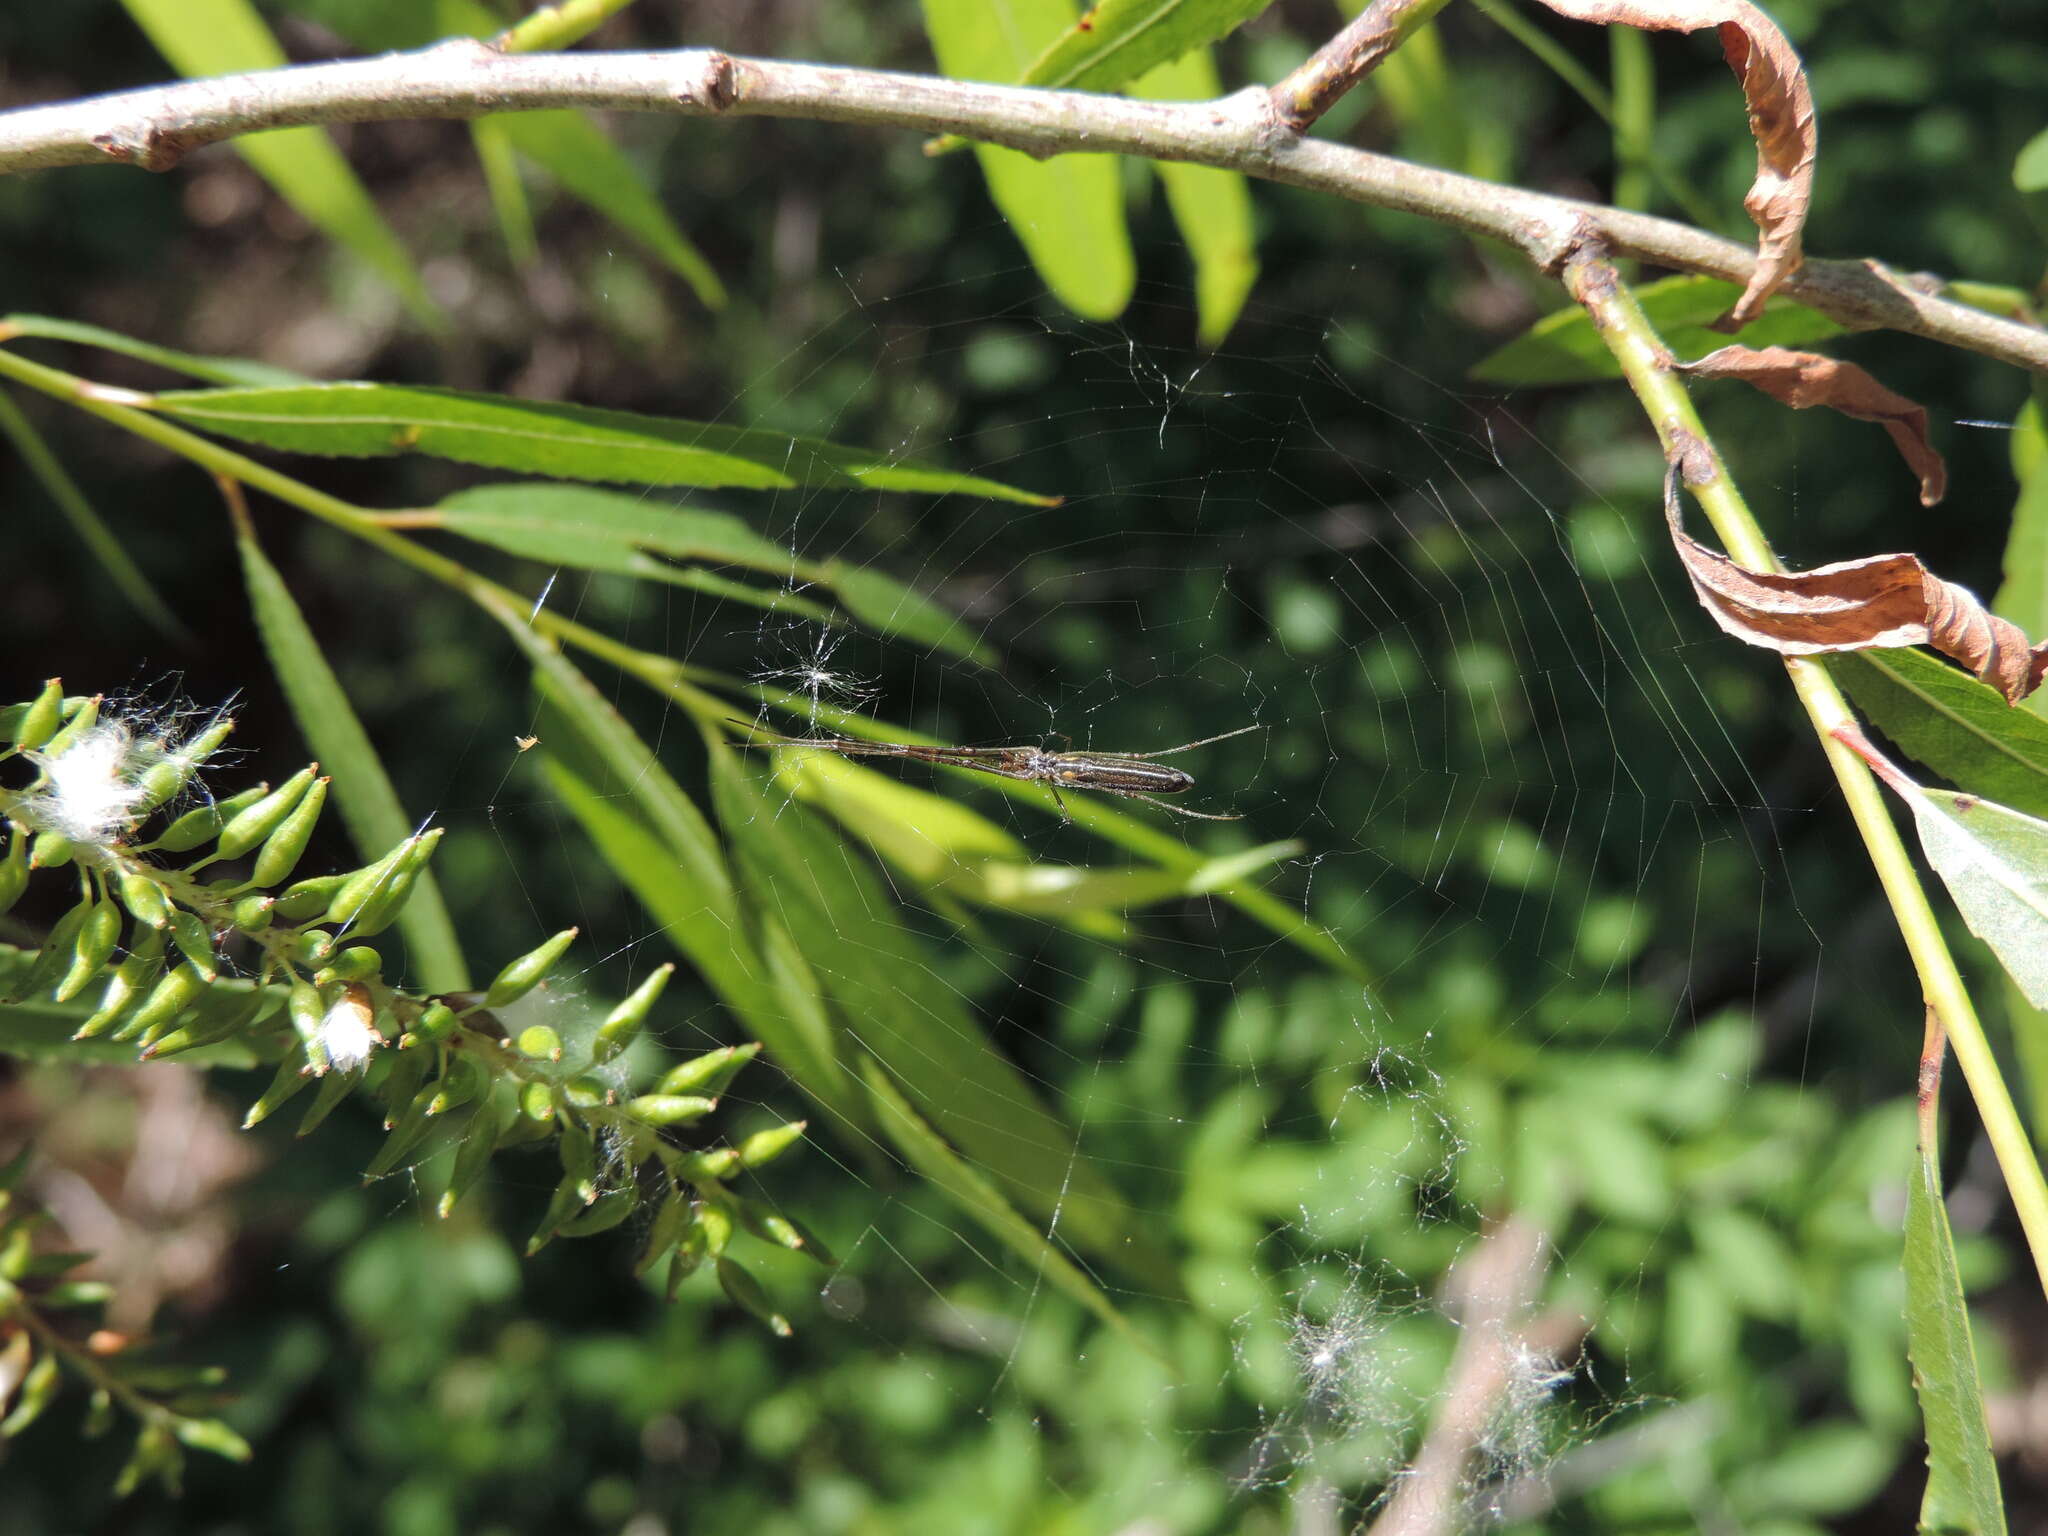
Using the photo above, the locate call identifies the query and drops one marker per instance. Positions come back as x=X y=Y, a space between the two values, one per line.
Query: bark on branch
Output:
x=157 y=126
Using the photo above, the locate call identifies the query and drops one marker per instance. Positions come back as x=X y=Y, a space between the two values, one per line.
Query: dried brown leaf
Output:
x=1884 y=600
x=1780 y=120
x=1802 y=379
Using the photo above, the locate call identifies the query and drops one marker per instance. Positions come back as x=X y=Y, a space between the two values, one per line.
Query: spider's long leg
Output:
x=1206 y=741
x=1178 y=810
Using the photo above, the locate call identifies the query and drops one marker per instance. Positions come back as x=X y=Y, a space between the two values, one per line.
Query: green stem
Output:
x=1591 y=280
x=556 y=27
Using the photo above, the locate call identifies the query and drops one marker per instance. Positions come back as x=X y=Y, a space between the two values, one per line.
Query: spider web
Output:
x=1492 y=725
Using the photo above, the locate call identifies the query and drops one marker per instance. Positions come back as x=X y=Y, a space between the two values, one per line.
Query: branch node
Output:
x=716 y=85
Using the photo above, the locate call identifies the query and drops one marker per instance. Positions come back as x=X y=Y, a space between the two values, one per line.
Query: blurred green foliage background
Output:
x=1632 y=981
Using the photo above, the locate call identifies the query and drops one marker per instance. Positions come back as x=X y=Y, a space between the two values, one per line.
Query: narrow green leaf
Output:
x=928 y=1152
x=500 y=165
x=224 y=37
x=598 y=530
x=197 y=365
x=1994 y=861
x=1962 y=1479
x=2023 y=595
x=882 y=603
x=1067 y=212
x=1562 y=348
x=655 y=839
x=1212 y=208
x=1955 y=725
x=85 y=520
x=38 y=1029
x=881 y=984
x=1116 y=41
x=571 y=442
x=369 y=804
x=596 y=171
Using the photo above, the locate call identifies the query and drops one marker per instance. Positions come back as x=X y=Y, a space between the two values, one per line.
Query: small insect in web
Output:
x=1134 y=775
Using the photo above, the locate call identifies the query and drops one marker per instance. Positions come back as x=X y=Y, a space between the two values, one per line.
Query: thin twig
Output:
x=1315 y=86
x=1494 y=1287
x=1590 y=278
x=156 y=127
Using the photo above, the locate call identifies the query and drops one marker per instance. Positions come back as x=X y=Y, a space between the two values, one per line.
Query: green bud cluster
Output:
x=162 y=950
x=175 y=1406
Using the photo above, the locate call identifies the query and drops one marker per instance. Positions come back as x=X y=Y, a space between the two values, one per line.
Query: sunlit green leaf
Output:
x=1563 y=348
x=929 y=1154
x=2030 y=166
x=1944 y=718
x=1212 y=208
x=1962 y=1479
x=1116 y=41
x=215 y=370
x=593 y=169
x=224 y=37
x=572 y=442
x=598 y=530
x=882 y=603
x=1067 y=211
x=369 y=804
x=882 y=987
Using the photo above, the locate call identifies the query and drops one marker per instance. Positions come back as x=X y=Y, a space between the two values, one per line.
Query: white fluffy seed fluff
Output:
x=91 y=789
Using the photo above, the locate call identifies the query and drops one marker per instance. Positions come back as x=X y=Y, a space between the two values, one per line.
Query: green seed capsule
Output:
x=709 y=1165
x=42 y=718
x=525 y=973
x=436 y=1022
x=167 y=999
x=666 y=1109
x=783 y=1231
x=765 y=1146
x=281 y=850
x=537 y=1101
x=213 y=1437
x=249 y=827
x=588 y=1091
x=716 y=1219
x=50 y=850
x=38 y=1389
x=539 y=1043
x=202 y=823
x=358 y=963
x=622 y=1024
x=195 y=943
x=709 y=1073
x=132 y=978
x=384 y=899
x=307 y=899
x=745 y=1292
x=253 y=912
x=94 y=946
x=612 y=1207
x=13 y=869
x=291 y=1078
x=311 y=946
x=53 y=960
x=334 y=1087
x=145 y=898
x=692 y=1247
x=464 y=1080
x=568 y=1200
x=473 y=1153
x=190 y=1037
x=408 y=1129
x=664 y=1232
x=167 y=779
x=82 y=720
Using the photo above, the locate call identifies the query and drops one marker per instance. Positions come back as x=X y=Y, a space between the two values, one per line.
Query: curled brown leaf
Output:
x=1802 y=379
x=1780 y=120
x=1884 y=600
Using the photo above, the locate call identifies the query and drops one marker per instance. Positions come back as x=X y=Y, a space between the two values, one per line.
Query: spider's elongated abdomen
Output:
x=1121 y=774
